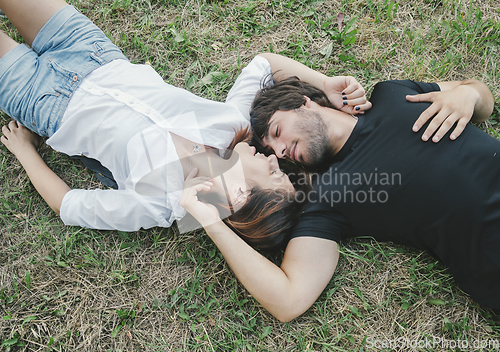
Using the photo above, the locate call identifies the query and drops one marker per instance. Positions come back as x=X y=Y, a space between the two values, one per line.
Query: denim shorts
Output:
x=36 y=83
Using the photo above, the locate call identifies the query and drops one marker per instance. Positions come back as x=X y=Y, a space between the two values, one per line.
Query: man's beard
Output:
x=318 y=154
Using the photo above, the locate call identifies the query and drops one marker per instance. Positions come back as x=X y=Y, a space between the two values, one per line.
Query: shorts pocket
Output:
x=61 y=71
x=45 y=113
x=101 y=48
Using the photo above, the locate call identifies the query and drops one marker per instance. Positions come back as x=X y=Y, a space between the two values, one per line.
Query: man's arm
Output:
x=458 y=102
x=344 y=92
x=22 y=143
x=286 y=291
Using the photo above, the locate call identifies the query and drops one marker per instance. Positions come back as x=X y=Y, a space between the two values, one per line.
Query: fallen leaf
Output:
x=129 y=334
x=211 y=321
x=327 y=50
x=436 y=302
x=216 y=46
x=340 y=20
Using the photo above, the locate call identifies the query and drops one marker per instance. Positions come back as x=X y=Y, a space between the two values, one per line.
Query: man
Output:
x=382 y=181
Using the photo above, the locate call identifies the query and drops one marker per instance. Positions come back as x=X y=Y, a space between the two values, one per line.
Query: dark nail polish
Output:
x=345 y=103
x=344 y=98
x=343 y=93
x=358 y=108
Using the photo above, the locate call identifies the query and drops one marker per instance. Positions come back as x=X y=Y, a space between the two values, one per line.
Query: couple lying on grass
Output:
x=374 y=173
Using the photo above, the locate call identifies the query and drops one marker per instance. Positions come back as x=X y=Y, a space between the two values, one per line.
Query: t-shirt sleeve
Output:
x=319 y=224
x=110 y=210
x=419 y=87
x=388 y=88
x=248 y=84
x=320 y=219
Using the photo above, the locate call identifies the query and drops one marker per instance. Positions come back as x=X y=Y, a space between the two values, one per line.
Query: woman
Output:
x=77 y=88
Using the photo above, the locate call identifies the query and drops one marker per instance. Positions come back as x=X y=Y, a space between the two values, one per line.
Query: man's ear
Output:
x=307 y=102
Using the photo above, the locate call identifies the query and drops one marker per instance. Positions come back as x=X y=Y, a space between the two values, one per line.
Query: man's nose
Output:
x=279 y=149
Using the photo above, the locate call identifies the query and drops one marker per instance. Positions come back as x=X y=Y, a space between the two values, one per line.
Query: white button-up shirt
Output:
x=121 y=115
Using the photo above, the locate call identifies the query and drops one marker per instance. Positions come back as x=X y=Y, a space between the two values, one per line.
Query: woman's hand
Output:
x=205 y=214
x=23 y=144
x=346 y=94
x=18 y=138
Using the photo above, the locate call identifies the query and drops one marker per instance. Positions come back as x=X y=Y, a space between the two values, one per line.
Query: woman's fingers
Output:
x=356 y=102
x=356 y=109
x=5 y=130
x=13 y=124
x=354 y=90
x=354 y=98
x=197 y=184
x=192 y=174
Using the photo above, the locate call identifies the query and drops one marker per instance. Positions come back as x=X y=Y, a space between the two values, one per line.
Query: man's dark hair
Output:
x=287 y=94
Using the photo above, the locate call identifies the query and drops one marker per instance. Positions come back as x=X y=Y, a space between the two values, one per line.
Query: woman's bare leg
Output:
x=6 y=44
x=29 y=16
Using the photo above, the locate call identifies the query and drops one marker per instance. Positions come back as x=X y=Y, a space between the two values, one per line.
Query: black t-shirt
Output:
x=441 y=197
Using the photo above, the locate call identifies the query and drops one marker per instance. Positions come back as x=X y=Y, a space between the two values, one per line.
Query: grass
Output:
x=73 y=289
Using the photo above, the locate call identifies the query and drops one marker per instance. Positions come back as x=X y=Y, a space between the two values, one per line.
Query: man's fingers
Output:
x=434 y=125
x=462 y=123
x=445 y=127
x=4 y=140
x=428 y=97
x=424 y=117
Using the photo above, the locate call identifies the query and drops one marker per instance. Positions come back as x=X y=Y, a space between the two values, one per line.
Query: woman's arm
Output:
x=286 y=291
x=22 y=143
x=344 y=92
x=458 y=102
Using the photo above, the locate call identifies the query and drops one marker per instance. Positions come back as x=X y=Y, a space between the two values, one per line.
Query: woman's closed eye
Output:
x=279 y=172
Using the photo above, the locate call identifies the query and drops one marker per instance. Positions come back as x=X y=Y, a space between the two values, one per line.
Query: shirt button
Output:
x=75 y=78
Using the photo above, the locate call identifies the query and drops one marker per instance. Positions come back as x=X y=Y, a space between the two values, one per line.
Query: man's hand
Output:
x=18 y=138
x=205 y=214
x=346 y=94
x=456 y=103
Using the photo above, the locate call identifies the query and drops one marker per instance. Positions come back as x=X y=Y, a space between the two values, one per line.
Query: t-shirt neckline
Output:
x=350 y=141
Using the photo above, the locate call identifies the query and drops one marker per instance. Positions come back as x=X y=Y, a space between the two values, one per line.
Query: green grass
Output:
x=73 y=289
